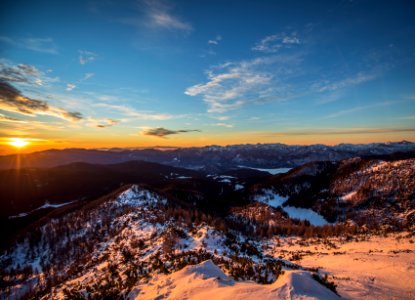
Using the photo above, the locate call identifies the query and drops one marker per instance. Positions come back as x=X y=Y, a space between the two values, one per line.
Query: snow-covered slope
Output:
x=207 y=281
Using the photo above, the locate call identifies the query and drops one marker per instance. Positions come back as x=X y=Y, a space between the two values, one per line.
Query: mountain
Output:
x=140 y=230
x=211 y=158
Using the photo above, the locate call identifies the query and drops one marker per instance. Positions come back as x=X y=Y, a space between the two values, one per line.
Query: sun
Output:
x=18 y=142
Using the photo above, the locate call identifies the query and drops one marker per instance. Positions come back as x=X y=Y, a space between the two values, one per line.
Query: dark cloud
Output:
x=162 y=132
x=11 y=99
x=20 y=73
x=8 y=119
x=72 y=115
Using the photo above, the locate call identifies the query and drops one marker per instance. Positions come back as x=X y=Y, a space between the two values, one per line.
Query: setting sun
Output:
x=18 y=142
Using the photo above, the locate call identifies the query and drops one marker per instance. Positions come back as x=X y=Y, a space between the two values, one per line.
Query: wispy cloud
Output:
x=344 y=131
x=157 y=15
x=44 y=45
x=70 y=86
x=163 y=132
x=220 y=118
x=11 y=99
x=87 y=57
x=276 y=42
x=4 y=118
x=360 y=108
x=23 y=73
x=215 y=41
x=132 y=113
x=235 y=84
x=87 y=76
x=168 y=21
x=102 y=123
x=327 y=86
x=223 y=125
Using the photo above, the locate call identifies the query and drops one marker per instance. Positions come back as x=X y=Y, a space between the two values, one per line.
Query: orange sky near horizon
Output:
x=193 y=140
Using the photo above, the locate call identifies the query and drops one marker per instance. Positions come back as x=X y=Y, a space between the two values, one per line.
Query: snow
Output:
x=46 y=205
x=135 y=196
x=377 y=267
x=183 y=177
x=305 y=214
x=272 y=171
x=207 y=281
x=271 y=198
x=348 y=196
x=222 y=178
x=275 y=200
x=238 y=187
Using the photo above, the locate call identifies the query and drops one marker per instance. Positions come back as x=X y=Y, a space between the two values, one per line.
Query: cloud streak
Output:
x=234 y=84
x=347 y=82
x=132 y=113
x=156 y=15
x=70 y=86
x=163 y=132
x=86 y=57
x=11 y=99
x=345 y=131
x=43 y=45
x=23 y=73
x=359 y=108
x=277 y=42
x=215 y=41
x=106 y=123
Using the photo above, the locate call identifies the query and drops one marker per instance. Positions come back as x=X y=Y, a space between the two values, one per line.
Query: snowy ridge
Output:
x=46 y=205
x=207 y=281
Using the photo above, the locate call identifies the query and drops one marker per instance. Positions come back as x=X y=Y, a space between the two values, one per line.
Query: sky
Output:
x=100 y=74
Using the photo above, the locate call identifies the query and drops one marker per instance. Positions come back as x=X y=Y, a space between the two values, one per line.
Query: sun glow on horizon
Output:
x=18 y=142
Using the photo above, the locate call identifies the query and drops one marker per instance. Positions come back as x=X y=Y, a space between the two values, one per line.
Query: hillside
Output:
x=144 y=228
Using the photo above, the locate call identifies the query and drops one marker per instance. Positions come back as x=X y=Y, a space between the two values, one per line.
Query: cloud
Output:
x=87 y=76
x=235 y=84
x=224 y=125
x=11 y=99
x=360 y=108
x=340 y=84
x=156 y=15
x=44 y=45
x=105 y=123
x=276 y=42
x=220 y=118
x=86 y=57
x=132 y=113
x=215 y=41
x=4 y=118
x=168 y=21
x=23 y=73
x=70 y=87
x=163 y=132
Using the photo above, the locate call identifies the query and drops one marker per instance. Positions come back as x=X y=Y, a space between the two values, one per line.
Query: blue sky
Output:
x=140 y=73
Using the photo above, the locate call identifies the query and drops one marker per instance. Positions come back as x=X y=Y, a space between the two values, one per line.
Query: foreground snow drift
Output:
x=207 y=281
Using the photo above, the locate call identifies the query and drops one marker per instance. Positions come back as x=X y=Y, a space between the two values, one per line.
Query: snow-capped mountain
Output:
x=212 y=158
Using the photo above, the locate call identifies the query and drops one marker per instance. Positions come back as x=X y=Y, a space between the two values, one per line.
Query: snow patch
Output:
x=305 y=214
x=275 y=200
x=46 y=205
x=272 y=171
